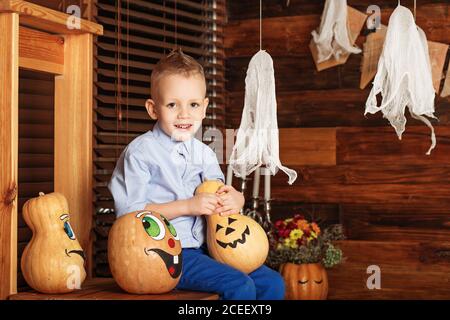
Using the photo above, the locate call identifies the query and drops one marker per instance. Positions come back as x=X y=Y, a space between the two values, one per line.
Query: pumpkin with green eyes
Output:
x=306 y=281
x=144 y=253
x=236 y=240
x=53 y=261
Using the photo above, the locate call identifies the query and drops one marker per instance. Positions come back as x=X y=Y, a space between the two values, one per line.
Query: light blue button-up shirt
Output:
x=153 y=168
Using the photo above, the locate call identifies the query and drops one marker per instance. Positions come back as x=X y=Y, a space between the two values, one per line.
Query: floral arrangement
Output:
x=298 y=240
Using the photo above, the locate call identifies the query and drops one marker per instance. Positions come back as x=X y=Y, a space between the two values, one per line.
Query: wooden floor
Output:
x=107 y=289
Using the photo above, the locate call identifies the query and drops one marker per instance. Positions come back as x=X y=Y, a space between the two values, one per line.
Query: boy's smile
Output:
x=179 y=104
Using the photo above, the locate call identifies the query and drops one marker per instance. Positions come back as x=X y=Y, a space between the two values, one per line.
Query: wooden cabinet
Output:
x=39 y=39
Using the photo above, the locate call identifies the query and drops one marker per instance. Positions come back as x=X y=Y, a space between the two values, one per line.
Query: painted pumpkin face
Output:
x=236 y=240
x=231 y=235
x=144 y=253
x=53 y=261
x=305 y=281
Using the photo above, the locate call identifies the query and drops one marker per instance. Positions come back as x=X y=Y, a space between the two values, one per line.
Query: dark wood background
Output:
x=393 y=200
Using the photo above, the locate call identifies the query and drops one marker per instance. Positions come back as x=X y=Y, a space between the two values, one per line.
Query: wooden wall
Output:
x=393 y=200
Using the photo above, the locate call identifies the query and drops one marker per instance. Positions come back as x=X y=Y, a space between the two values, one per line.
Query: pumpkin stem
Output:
x=41 y=194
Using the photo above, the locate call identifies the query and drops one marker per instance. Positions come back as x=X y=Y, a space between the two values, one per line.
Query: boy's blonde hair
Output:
x=176 y=62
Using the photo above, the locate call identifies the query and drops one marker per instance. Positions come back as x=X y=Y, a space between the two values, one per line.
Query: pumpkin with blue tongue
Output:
x=236 y=240
x=144 y=253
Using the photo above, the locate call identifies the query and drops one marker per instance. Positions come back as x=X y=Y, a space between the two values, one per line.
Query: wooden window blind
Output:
x=36 y=152
x=136 y=35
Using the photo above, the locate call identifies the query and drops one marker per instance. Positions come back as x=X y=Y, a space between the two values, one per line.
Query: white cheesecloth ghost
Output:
x=257 y=137
x=404 y=75
x=333 y=36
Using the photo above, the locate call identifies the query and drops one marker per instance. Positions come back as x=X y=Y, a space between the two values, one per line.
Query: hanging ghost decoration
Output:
x=333 y=40
x=404 y=75
x=257 y=137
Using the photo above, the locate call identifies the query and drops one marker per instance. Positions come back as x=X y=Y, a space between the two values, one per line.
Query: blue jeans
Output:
x=202 y=273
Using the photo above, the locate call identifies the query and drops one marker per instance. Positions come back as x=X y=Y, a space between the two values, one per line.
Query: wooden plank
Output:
x=9 y=136
x=73 y=136
x=40 y=51
x=288 y=35
x=396 y=222
x=107 y=289
x=436 y=28
x=367 y=173
x=303 y=77
x=420 y=194
x=35 y=16
x=409 y=270
x=274 y=8
x=307 y=146
x=325 y=108
x=381 y=146
x=366 y=184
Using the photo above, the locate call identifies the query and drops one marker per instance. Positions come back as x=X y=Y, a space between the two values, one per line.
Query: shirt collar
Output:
x=167 y=142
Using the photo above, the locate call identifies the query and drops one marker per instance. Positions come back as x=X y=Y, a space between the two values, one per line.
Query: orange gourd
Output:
x=53 y=261
x=307 y=281
x=144 y=253
x=236 y=240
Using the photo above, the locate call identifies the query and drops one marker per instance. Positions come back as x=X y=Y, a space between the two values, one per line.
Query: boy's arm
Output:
x=171 y=210
x=201 y=204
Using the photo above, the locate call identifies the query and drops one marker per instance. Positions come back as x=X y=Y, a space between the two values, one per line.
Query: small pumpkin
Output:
x=236 y=240
x=307 y=281
x=53 y=261
x=144 y=253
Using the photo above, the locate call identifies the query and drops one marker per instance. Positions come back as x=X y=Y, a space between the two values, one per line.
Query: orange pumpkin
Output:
x=53 y=261
x=307 y=281
x=144 y=253
x=236 y=240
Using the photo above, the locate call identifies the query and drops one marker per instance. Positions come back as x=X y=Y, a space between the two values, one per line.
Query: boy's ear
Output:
x=205 y=106
x=151 y=109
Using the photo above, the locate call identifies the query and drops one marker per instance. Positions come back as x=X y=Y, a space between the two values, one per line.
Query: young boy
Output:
x=161 y=169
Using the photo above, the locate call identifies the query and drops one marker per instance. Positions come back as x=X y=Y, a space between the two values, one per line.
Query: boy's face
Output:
x=179 y=105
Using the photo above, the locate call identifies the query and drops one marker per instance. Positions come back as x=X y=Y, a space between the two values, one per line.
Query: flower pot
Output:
x=307 y=281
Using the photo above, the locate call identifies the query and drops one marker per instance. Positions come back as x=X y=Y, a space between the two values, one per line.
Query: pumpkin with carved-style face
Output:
x=236 y=240
x=307 y=281
x=144 y=253
x=53 y=261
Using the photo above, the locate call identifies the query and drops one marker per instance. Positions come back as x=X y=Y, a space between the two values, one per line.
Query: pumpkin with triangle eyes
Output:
x=308 y=281
x=53 y=261
x=144 y=253
x=236 y=240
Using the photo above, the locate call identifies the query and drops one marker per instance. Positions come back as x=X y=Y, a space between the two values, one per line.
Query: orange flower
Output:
x=315 y=228
x=303 y=225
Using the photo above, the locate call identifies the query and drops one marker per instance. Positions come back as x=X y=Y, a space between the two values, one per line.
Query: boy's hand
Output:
x=232 y=201
x=204 y=204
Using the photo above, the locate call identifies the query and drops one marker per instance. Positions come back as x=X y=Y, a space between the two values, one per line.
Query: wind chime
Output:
x=257 y=138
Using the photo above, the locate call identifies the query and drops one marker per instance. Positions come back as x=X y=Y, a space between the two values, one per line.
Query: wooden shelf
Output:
x=107 y=289
x=38 y=17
